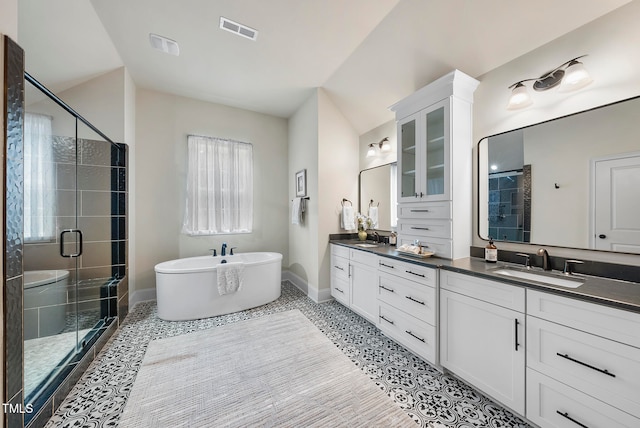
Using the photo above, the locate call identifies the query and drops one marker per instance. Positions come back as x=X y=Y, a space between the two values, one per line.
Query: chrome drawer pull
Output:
x=416 y=274
x=414 y=300
x=389 y=266
x=419 y=211
x=390 y=290
x=384 y=319
x=337 y=289
x=603 y=371
x=566 y=415
x=419 y=228
x=338 y=267
x=413 y=335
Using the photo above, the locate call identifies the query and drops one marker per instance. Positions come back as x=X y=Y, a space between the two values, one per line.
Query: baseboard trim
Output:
x=318 y=296
x=138 y=296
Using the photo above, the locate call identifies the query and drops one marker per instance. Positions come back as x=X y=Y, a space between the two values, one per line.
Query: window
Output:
x=39 y=179
x=219 y=187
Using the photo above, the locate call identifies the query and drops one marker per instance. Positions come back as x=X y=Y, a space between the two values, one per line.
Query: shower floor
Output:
x=432 y=399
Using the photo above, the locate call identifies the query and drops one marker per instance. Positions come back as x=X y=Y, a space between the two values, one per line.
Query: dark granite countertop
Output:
x=610 y=292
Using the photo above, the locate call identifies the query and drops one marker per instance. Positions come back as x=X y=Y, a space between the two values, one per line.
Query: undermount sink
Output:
x=366 y=245
x=539 y=277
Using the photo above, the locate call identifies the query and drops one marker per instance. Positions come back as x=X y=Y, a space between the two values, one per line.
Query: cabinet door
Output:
x=364 y=293
x=407 y=158
x=484 y=345
x=434 y=162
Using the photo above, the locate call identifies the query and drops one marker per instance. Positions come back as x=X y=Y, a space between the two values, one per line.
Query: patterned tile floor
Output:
x=432 y=399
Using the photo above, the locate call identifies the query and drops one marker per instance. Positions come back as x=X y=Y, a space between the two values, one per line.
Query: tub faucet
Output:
x=545 y=259
x=223 y=250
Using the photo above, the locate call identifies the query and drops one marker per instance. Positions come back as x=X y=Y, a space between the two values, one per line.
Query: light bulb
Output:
x=386 y=145
x=575 y=77
x=371 y=151
x=520 y=97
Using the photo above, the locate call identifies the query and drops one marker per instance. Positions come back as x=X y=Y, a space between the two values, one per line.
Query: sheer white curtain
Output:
x=219 y=187
x=39 y=179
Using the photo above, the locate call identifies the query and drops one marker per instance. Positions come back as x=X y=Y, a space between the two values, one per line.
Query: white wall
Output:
x=324 y=142
x=163 y=122
x=611 y=43
x=303 y=154
x=338 y=153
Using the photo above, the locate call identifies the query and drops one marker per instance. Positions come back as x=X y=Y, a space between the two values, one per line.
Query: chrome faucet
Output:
x=568 y=264
x=223 y=250
x=376 y=236
x=545 y=259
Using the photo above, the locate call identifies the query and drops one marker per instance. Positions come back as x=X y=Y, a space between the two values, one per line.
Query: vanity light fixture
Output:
x=384 y=145
x=570 y=75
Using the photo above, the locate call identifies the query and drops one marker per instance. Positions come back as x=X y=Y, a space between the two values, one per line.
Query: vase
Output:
x=362 y=235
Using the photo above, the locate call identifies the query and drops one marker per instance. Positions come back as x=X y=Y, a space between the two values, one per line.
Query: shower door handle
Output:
x=79 y=246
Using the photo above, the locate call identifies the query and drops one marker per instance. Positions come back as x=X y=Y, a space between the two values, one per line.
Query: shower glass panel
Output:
x=73 y=254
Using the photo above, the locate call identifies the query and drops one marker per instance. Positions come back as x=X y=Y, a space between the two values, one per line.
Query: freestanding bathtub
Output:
x=187 y=289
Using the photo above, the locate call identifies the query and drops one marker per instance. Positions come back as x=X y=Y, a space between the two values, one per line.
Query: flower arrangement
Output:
x=364 y=222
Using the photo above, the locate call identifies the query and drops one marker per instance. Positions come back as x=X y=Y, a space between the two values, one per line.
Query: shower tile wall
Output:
x=508 y=207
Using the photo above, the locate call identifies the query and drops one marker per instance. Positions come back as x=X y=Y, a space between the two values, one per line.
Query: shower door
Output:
x=73 y=219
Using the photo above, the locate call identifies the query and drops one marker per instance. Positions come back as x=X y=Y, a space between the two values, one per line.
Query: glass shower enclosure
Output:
x=74 y=239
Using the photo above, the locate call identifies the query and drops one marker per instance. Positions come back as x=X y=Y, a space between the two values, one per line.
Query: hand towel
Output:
x=230 y=277
x=373 y=215
x=407 y=248
x=296 y=211
x=348 y=220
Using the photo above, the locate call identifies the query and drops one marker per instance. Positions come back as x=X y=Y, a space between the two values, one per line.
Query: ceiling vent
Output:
x=163 y=44
x=239 y=29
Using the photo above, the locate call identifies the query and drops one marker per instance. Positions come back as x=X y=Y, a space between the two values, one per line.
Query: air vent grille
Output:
x=163 y=44
x=239 y=29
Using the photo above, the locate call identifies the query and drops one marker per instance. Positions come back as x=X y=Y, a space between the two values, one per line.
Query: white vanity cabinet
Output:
x=354 y=279
x=434 y=165
x=364 y=275
x=407 y=306
x=340 y=275
x=482 y=335
x=583 y=363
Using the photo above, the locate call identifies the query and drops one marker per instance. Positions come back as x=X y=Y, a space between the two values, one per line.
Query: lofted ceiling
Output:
x=366 y=54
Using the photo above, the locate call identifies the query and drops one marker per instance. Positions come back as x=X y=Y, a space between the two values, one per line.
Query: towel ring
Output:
x=346 y=200
x=371 y=203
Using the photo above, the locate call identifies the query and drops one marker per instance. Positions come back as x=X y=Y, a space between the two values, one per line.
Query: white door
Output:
x=617 y=204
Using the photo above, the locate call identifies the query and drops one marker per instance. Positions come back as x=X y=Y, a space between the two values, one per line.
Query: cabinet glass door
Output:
x=436 y=152
x=408 y=140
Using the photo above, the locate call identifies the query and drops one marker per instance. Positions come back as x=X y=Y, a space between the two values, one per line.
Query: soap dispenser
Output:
x=490 y=252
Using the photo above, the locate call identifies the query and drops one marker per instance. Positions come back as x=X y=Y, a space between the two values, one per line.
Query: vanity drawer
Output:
x=425 y=228
x=340 y=251
x=341 y=290
x=414 y=272
x=364 y=257
x=340 y=267
x=441 y=209
x=416 y=300
x=611 y=323
x=496 y=293
x=441 y=247
x=602 y=368
x=551 y=403
x=415 y=335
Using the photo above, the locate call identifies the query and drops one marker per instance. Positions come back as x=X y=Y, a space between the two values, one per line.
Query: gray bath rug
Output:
x=277 y=370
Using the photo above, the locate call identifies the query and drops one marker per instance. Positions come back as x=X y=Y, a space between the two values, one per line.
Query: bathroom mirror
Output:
x=378 y=188
x=571 y=182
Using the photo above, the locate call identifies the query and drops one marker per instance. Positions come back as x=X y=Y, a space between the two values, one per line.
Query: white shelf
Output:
x=441 y=166
x=410 y=172
x=436 y=140
x=410 y=149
